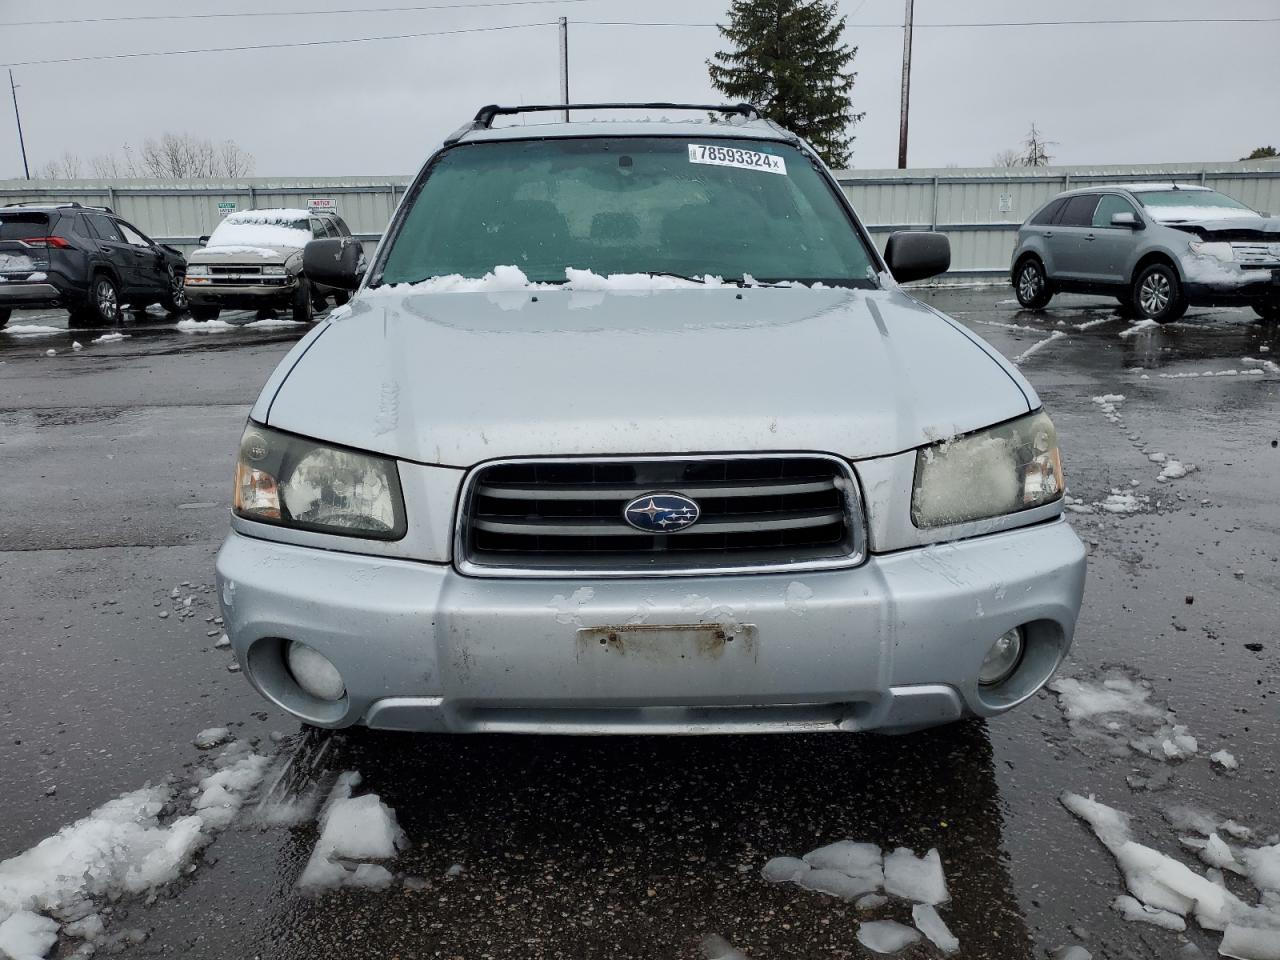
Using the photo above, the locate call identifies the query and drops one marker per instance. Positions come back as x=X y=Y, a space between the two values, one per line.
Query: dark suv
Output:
x=85 y=259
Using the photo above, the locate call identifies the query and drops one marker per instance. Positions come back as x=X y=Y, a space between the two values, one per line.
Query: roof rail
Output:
x=59 y=204
x=485 y=115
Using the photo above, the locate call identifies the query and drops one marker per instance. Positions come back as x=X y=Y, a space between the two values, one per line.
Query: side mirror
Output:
x=335 y=262
x=203 y=241
x=915 y=255
x=1126 y=220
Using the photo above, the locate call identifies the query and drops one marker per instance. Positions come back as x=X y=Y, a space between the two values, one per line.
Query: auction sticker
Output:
x=736 y=157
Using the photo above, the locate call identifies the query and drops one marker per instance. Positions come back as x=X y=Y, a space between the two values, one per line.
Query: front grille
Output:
x=235 y=270
x=543 y=517
x=1254 y=254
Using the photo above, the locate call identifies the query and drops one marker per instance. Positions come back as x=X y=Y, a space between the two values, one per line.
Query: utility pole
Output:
x=906 y=86
x=564 y=64
x=13 y=89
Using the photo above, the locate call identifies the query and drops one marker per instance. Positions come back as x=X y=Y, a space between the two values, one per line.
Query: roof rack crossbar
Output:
x=485 y=116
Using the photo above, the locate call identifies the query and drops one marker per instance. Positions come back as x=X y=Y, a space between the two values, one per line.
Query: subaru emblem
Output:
x=662 y=513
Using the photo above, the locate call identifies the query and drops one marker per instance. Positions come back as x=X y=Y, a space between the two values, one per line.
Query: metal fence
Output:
x=979 y=208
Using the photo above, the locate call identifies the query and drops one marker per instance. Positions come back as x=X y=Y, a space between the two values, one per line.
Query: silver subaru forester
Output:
x=629 y=428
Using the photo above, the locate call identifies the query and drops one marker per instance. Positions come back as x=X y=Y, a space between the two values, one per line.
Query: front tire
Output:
x=204 y=313
x=1031 y=285
x=1267 y=312
x=1157 y=294
x=175 y=298
x=304 y=310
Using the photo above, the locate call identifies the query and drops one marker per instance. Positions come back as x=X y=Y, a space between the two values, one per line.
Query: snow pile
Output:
x=1166 y=892
x=1109 y=403
x=1122 y=501
x=261 y=228
x=1117 y=711
x=129 y=845
x=1174 y=470
x=857 y=871
x=213 y=737
x=1225 y=760
x=353 y=829
x=110 y=338
x=1268 y=366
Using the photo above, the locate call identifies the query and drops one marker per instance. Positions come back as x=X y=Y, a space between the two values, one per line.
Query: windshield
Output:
x=1170 y=206
x=724 y=208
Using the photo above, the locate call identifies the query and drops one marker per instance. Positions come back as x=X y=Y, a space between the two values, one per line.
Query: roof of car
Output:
x=1134 y=188
x=658 y=127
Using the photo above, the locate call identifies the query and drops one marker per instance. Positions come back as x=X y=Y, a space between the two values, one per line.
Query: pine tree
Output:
x=789 y=59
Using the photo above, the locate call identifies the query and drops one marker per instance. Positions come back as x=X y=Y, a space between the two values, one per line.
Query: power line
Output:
x=925 y=26
x=278 y=46
x=291 y=13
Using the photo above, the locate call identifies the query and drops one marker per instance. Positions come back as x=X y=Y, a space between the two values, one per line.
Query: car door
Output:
x=152 y=273
x=1110 y=251
x=115 y=249
x=1072 y=236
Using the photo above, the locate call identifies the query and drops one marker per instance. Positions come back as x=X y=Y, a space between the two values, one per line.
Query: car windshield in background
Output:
x=234 y=232
x=717 y=207
x=1172 y=206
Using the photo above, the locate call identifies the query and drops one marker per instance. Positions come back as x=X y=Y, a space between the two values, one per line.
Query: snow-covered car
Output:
x=630 y=428
x=253 y=260
x=1157 y=247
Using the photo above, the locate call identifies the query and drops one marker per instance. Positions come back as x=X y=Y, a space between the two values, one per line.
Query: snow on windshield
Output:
x=1184 y=203
x=263 y=228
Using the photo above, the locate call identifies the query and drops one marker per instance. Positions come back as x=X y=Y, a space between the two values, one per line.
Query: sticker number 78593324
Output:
x=736 y=157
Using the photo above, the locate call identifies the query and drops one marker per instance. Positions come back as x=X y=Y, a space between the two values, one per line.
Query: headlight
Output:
x=298 y=483
x=197 y=270
x=1217 y=251
x=274 y=270
x=990 y=473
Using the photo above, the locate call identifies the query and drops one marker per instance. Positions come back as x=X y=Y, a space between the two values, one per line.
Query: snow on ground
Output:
x=110 y=338
x=187 y=325
x=1138 y=327
x=213 y=737
x=1268 y=366
x=1109 y=404
x=30 y=329
x=856 y=871
x=1090 y=324
x=1117 y=710
x=1038 y=346
x=353 y=829
x=1167 y=893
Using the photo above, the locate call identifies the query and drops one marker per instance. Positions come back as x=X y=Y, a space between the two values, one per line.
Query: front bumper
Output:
x=241 y=295
x=16 y=295
x=1211 y=284
x=894 y=644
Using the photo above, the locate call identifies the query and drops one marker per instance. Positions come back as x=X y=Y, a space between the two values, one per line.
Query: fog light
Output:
x=314 y=672
x=1002 y=659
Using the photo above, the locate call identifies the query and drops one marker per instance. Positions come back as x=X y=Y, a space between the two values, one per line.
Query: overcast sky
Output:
x=1106 y=93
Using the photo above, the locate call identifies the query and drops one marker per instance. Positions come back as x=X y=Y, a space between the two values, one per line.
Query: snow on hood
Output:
x=474 y=376
x=506 y=279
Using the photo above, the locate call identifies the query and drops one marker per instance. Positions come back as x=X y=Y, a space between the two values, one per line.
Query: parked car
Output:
x=1156 y=247
x=253 y=260
x=630 y=429
x=85 y=259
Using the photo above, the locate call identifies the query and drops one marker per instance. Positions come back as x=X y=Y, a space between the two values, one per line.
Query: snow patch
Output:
x=886 y=936
x=1138 y=327
x=353 y=829
x=30 y=329
x=1038 y=346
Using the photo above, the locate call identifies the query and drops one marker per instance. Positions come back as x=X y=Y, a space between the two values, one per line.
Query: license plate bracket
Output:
x=667 y=642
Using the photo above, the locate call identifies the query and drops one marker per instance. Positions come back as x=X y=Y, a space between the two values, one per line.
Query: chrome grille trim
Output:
x=807 y=515
x=1254 y=253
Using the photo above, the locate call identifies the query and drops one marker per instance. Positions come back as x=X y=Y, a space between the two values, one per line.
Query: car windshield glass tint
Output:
x=1171 y=205
x=724 y=208
x=19 y=226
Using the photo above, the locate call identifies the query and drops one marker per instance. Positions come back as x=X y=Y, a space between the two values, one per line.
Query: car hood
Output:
x=459 y=378
x=243 y=253
x=1264 y=229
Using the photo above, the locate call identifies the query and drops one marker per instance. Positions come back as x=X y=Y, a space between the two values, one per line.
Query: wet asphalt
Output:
x=115 y=465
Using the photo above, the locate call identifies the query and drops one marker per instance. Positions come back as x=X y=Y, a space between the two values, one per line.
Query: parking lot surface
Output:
x=115 y=467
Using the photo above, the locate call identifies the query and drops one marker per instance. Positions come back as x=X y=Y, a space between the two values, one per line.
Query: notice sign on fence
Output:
x=1006 y=202
x=322 y=203
x=225 y=207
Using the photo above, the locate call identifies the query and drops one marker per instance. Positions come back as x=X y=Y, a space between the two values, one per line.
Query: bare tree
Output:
x=1035 y=151
x=1007 y=158
x=66 y=167
x=175 y=156
x=234 y=160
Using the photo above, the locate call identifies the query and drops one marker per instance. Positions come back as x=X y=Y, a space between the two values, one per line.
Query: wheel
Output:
x=203 y=313
x=1269 y=312
x=1157 y=294
x=102 y=308
x=341 y=297
x=1031 y=285
x=303 y=309
x=175 y=299
x=5 y=313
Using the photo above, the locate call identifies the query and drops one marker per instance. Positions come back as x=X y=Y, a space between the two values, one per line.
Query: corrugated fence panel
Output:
x=979 y=208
